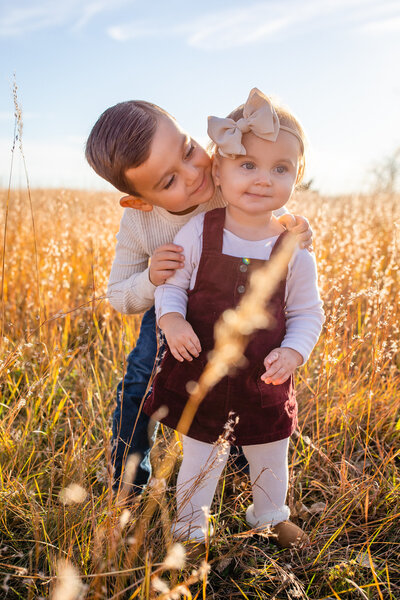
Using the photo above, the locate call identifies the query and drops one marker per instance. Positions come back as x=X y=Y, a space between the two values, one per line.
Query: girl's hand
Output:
x=301 y=227
x=164 y=262
x=280 y=364
x=181 y=339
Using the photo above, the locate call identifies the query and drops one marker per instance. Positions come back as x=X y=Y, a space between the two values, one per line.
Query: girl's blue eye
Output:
x=249 y=165
x=170 y=182
x=281 y=169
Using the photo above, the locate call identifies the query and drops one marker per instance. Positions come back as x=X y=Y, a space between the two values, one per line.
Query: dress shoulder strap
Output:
x=213 y=230
x=278 y=242
x=275 y=249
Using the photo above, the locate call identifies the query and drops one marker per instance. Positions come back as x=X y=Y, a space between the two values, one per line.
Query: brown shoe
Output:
x=288 y=535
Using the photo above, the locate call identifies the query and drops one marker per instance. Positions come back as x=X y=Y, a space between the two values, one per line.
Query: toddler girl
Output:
x=259 y=158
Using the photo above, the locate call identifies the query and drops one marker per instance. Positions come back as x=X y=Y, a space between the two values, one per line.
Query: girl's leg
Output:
x=198 y=476
x=269 y=479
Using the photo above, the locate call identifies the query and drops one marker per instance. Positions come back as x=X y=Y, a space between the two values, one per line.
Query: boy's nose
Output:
x=191 y=173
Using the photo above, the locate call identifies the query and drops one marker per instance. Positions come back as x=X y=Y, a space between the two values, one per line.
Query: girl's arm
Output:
x=171 y=298
x=304 y=320
x=181 y=339
x=304 y=313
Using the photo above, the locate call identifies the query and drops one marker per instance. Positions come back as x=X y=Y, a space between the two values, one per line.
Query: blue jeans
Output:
x=130 y=424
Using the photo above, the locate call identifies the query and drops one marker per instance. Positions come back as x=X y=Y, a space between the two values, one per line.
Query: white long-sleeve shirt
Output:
x=304 y=314
x=129 y=287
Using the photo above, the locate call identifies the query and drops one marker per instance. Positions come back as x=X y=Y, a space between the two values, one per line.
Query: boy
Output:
x=141 y=150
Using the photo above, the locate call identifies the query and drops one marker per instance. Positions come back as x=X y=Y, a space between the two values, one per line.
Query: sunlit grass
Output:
x=62 y=356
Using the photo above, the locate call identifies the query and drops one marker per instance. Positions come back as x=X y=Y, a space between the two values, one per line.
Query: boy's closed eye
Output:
x=170 y=182
x=190 y=150
x=188 y=153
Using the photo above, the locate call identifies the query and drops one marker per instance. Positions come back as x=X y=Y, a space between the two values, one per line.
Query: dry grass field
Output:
x=62 y=355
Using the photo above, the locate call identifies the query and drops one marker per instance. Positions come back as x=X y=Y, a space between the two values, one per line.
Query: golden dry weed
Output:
x=58 y=394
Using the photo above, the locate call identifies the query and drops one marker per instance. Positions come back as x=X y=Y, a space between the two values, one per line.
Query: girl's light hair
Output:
x=286 y=118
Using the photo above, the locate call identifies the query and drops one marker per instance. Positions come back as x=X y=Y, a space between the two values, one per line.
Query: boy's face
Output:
x=177 y=174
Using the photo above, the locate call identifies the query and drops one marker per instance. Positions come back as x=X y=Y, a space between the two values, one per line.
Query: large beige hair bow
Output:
x=259 y=117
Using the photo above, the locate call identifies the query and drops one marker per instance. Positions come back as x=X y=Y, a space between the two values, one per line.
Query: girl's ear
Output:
x=215 y=169
x=135 y=202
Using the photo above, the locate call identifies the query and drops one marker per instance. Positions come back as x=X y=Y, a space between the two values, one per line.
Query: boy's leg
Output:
x=269 y=479
x=238 y=461
x=130 y=424
x=198 y=476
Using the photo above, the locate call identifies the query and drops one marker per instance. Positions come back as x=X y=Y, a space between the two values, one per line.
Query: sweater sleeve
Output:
x=129 y=287
x=172 y=296
x=304 y=313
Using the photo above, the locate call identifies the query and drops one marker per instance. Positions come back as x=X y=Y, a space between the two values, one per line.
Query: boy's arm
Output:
x=133 y=293
x=164 y=262
x=298 y=225
x=129 y=287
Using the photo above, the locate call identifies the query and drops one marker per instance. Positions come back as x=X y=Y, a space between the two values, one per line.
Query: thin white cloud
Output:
x=23 y=16
x=224 y=28
x=391 y=25
x=238 y=27
x=19 y=18
x=91 y=9
x=374 y=11
x=139 y=29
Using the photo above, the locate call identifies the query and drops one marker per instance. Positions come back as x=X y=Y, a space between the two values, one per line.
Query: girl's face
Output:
x=177 y=174
x=263 y=179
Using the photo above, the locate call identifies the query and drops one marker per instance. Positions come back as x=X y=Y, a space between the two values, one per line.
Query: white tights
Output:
x=200 y=471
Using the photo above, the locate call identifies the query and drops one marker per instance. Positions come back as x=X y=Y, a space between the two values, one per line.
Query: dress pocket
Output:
x=183 y=373
x=275 y=394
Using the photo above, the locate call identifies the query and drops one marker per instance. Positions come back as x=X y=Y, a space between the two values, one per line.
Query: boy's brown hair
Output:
x=121 y=139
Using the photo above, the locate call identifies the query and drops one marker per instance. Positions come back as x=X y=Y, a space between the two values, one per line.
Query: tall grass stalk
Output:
x=7 y=206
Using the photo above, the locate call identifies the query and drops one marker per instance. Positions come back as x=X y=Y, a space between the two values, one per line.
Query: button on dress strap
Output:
x=213 y=230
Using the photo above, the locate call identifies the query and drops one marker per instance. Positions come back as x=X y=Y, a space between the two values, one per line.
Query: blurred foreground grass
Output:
x=62 y=356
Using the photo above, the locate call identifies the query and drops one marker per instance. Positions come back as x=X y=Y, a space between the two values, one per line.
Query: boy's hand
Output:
x=301 y=227
x=181 y=339
x=280 y=364
x=164 y=262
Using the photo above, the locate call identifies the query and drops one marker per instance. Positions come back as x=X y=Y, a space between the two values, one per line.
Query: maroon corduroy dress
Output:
x=266 y=412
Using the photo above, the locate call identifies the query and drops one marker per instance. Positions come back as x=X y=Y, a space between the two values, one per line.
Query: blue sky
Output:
x=334 y=62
